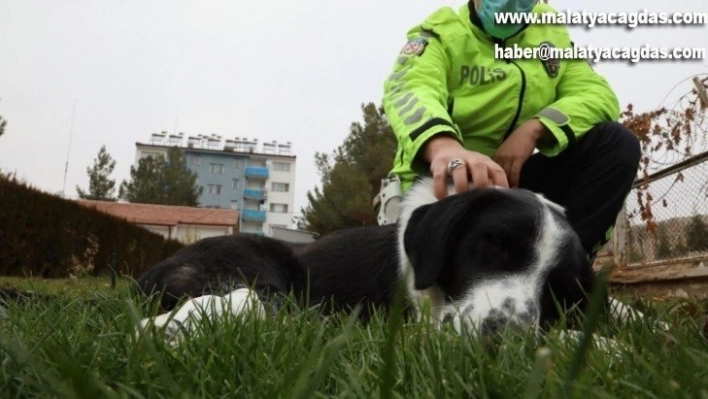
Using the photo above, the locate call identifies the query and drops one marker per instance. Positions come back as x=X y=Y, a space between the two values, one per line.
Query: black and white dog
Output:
x=490 y=258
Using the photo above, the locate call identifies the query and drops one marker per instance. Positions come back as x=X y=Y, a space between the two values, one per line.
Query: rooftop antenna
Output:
x=68 y=150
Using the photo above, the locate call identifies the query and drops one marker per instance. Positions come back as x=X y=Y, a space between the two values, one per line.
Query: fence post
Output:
x=619 y=239
x=701 y=90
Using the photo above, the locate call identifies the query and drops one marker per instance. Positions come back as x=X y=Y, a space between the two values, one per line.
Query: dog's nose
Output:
x=509 y=315
x=495 y=322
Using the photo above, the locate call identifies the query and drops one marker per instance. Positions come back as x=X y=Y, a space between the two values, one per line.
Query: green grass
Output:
x=68 y=347
x=84 y=287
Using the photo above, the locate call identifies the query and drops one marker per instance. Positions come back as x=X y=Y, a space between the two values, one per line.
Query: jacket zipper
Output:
x=521 y=96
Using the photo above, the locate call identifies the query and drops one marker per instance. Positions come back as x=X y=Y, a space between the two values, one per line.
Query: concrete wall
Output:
x=189 y=234
x=296 y=236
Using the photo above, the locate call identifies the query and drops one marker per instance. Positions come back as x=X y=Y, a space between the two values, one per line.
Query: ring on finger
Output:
x=452 y=165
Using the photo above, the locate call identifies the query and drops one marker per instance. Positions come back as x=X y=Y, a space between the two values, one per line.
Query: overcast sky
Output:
x=286 y=70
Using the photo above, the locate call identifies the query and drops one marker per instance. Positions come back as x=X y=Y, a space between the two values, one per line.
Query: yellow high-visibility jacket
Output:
x=447 y=80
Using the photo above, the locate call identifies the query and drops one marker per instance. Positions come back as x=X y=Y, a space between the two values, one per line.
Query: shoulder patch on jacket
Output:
x=415 y=46
x=551 y=65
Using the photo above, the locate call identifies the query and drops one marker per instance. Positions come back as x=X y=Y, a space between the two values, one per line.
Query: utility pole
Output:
x=68 y=150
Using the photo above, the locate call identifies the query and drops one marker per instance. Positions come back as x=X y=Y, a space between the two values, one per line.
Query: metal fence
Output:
x=677 y=200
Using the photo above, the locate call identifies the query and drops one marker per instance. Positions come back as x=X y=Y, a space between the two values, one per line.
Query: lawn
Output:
x=84 y=287
x=69 y=346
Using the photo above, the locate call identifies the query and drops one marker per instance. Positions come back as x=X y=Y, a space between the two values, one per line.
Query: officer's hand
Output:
x=475 y=167
x=518 y=148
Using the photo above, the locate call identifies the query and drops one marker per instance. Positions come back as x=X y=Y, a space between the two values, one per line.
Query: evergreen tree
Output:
x=663 y=249
x=681 y=249
x=351 y=176
x=697 y=234
x=101 y=187
x=157 y=180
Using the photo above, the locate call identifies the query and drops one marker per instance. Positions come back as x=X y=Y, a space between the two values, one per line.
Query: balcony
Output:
x=251 y=215
x=254 y=193
x=256 y=172
x=257 y=233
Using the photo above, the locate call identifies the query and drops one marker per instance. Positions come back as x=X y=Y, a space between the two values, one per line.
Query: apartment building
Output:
x=256 y=178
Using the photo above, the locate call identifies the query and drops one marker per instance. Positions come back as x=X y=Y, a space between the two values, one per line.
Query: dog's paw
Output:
x=663 y=326
x=604 y=344
x=625 y=314
x=187 y=319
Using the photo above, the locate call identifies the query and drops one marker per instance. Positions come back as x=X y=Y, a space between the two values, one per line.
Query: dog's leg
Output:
x=429 y=305
x=625 y=314
x=186 y=320
x=607 y=345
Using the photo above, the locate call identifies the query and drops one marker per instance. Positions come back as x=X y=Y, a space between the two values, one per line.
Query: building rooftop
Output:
x=218 y=144
x=164 y=215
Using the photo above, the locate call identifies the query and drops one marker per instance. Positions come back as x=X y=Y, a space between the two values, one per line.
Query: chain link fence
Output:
x=665 y=221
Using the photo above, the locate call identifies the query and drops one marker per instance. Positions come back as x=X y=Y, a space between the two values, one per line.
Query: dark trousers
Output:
x=591 y=179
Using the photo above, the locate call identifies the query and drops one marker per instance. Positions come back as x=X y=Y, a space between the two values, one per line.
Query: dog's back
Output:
x=352 y=267
x=340 y=271
x=219 y=265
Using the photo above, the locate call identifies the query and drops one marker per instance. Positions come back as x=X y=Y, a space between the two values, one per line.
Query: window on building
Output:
x=235 y=183
x=280 y=187
x=196 y=160
x=269 y=148
x=214 y=189
x=234 y=204
x=151 y=154
x=238 y=163
x=217 y=168
x=279 y=208
x=281 y=167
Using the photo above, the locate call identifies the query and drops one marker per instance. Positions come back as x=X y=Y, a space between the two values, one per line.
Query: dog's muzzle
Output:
x=496 y=306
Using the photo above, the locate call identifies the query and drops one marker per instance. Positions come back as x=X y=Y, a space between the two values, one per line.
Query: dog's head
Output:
x=502 y=257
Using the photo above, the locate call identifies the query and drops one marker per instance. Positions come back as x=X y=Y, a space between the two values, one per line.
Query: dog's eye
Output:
x=493 y=253
x=502 y=250
x=496 y=243
x=492 y=247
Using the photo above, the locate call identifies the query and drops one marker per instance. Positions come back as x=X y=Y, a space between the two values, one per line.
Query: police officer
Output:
x=466 y=117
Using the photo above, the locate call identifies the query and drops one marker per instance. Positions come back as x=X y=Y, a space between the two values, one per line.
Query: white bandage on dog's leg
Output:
x=605 y=344
x=187 y=318
x=183 y=321
x=243 y=301
x=624 y=314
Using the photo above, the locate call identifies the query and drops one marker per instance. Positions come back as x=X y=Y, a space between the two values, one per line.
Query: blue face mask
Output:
x=490 y=7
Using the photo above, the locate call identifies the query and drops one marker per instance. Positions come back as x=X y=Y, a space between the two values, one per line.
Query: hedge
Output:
x=47 y=236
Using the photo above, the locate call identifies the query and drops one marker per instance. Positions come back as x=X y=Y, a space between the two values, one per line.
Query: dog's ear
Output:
x=413 y=237
x=568 y=285
x=430 y=236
